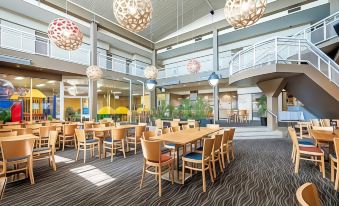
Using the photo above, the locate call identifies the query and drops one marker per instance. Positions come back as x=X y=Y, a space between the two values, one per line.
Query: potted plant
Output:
x=49 y=118
x=262 y=104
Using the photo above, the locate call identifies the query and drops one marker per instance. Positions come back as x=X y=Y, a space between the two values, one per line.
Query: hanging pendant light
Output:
x=134 y=15
x=151 y=72
x=150 y=84
x=213 y=79
x=94 y=72
x=65 y=34
x=193 y=66
x=243 y=13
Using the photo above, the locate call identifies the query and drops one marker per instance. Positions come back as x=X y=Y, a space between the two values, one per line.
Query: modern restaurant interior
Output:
x=145 y=102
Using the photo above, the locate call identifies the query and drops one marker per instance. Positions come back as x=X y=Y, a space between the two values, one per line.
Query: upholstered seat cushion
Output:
x=109 y=140
x=305 y=142
x=164 y=158
x=41 y=149
x=311 y=149
x=194 y=156
x=200 y=149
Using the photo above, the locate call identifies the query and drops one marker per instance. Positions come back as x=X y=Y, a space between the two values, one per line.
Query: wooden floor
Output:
x=262 y=174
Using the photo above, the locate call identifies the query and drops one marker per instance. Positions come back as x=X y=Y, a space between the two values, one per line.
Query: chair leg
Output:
x=332 y=170
x=76 y=158
x=53 y=162
x=219 y=160
x=75 y=141
x=213 y=164
x=336 y=180
x=232 y=151
x=183 y=173
x=63 y=143
x=123 y=147
x=172 y=172
x=112 y=151
x=30 y=170
x=85 y=149
x=135 y=147
x=143 y=174
x=59 y=141
x=323 y=165
x=228 y=153
x=210 y=170
x=203 y=177
x=159 y=180
x=296 y=169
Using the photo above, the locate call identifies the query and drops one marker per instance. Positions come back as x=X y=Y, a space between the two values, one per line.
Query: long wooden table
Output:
x=184 y=137
x=19 y=137
x=326 y=136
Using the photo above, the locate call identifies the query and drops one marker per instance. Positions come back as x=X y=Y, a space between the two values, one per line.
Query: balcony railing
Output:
x=320 y=31
x=284 y=50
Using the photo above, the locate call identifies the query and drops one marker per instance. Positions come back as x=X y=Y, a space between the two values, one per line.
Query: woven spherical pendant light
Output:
x=134 y=15
x=242 y=13
x=94 y=72
x=193 y=66
x=65 y=34
x=151 y=72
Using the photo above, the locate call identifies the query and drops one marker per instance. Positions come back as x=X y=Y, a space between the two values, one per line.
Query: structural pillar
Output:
x=92 y=84
x=272 y=89
x=62 y=101
x=215 y=69
x=153 y=94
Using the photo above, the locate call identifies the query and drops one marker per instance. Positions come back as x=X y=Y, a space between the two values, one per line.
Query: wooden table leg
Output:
x=177 y=149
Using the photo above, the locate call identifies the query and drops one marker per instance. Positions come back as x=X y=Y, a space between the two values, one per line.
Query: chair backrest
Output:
x=176 y=129
x=69 y=129
x=232 y=132
x=227 y=134
x=148 y=134
x=191 y=123
x=218 y=138
x=294 y=137
x=44 y=131
x=23 y=131
x=185 y=126
x=139 y=131
x=242 y=112
x=208 y=147
x=166 y=130
x=174 y=123
x=176 y=120
x=8 y=134
x=33 y=126
x=329 y=129
x=142 y=124
x=80 y=135
x=315 y=122
x=336 y=146
x=52 y=128
x=88 y=125
x=118 y=133
x=325 y=122
x=307 y=195
x=16 y=149
x=53 y=136
x=151 y=150
x=9 y=123
x=213 y=126
x=158 y=123
x=17 y=126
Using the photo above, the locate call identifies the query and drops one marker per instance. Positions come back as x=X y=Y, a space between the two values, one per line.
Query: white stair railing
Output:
x=284 y=50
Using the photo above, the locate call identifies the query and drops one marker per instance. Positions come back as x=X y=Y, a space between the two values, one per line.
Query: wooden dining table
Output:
x=326 y=136
x=19 y=137
x=182 y=138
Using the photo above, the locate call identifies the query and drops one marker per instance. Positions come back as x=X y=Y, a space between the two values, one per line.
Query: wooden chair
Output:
x=329 y=129
x=86 y=144
x=159 y=124
x=174 y=123
x=176 y=120
x=166 y=130
x=334 y=164
x=175 y=129
x=23 y=131
x=243 y=116
x=8 y=134
x=302 y=142
x=44 y=135
x=307 y=195
x=315 y=123
x=203 y=159
x=47 y=152
x=154 y=159
x=306 y=153
x=136 y=139
x=116 y=142
x=142 y=124
x=22 y=154
x=228 y=145
x=3 y=181
x=17 y=126
x=148 y=134
x=34 y=127
x=191 y=123
x=213 y=126
x=325 y=122
x=216 y=153
x=185 y=126
x=68 y=135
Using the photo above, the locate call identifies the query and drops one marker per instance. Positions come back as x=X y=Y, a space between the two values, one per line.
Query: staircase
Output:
x=257 y=133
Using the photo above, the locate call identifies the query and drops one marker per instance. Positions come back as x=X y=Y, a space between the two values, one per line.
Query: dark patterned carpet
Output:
x=262 y=174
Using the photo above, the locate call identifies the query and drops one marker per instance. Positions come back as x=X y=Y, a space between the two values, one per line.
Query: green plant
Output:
x=49 y=117
x=5 y=115
x=262 y=103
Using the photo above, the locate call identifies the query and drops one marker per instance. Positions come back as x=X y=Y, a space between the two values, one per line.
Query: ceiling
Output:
x=165 y=13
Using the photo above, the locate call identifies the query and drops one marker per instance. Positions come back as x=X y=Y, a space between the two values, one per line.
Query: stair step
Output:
x=256 y=133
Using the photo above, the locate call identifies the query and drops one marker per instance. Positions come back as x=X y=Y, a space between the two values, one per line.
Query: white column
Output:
x=92 y=85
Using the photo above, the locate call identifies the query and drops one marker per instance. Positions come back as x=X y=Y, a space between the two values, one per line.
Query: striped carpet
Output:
x=262 y=174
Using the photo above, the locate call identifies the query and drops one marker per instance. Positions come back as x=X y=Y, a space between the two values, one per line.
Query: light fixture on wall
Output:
x=213 y=79
x=65 y=34
x=193 y=66
x=94 y=72
x=134 y=15
x=243 y=13
x=151 y=72
x=150 y=84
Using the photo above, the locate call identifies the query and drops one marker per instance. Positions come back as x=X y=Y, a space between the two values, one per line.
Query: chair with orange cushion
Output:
x=154 y=159
x=306 y=153
x=307 y=195
x=334 y=164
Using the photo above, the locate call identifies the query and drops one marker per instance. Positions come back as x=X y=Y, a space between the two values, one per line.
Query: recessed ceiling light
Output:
x=19 y=78
x=40 y=85
x=51 y=82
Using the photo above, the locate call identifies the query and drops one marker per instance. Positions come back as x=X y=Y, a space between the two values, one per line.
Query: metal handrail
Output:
x=272 y=114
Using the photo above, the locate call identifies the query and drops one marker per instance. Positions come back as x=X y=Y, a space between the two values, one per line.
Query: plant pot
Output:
x=263 y=121
x=204 y=122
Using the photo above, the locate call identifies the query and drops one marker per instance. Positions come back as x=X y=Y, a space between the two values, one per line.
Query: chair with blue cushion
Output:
x=42 y=153
x=203 y=159
x=334 y=164
x=116 y=142
x=86 y=144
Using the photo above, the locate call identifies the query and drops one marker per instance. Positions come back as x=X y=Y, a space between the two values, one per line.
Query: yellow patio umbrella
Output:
x=36 y=94
x=121 y=110
x=139 y=110
x=106 y=110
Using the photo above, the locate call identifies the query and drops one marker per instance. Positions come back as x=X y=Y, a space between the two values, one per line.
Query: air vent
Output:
x=294 y=9
x=169 y=48
x=198 y=39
